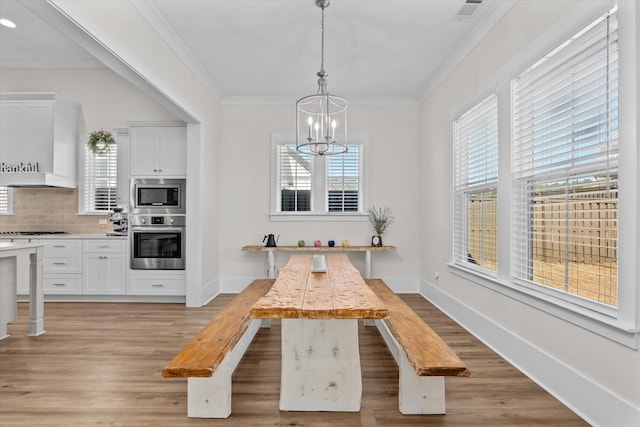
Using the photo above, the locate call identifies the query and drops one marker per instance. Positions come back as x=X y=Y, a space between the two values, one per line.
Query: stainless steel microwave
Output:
x=157 y=196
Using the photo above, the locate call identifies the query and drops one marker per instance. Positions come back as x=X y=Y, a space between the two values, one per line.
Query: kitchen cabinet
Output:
x=62 y=266
x=105 y=267
x=165 y=283
x=38 y=139
x=158 y=151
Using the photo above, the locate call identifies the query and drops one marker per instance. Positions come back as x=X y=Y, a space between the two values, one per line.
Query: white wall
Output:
x=595 y=376
x=245 y=191
x=106 y=99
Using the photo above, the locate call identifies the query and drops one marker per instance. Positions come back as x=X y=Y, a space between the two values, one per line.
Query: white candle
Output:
x=310 y=122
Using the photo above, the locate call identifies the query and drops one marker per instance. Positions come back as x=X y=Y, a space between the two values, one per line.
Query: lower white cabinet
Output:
x=104 y=267
x=165 y=282
x=62 y=267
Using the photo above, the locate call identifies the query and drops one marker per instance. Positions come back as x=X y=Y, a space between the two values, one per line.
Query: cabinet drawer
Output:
x=54 y=284
x=62 y=264
x=104 y=245
x=157 y=285
x=65 y=248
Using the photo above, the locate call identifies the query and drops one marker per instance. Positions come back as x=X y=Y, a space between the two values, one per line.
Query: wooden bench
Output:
x=209 y=359
x=423 y=358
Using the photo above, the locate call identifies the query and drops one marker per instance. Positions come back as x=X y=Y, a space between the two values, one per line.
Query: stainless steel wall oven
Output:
x=157 y=242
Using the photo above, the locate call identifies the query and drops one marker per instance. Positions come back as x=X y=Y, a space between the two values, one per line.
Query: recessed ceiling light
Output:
x=7 y=23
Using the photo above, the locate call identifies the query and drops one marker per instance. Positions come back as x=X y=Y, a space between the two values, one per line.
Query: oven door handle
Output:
x=156 y=229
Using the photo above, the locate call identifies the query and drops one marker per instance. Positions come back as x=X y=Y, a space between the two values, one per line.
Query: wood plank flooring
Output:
x=101 y=363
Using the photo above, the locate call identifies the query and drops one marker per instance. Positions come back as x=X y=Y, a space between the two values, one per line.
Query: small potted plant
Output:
x=100 y=141
x=381 y=219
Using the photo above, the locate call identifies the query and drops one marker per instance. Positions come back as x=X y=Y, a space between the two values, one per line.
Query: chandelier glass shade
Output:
x=321 y=118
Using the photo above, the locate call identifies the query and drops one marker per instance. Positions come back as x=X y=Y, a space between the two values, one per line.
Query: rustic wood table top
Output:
x=340 y=293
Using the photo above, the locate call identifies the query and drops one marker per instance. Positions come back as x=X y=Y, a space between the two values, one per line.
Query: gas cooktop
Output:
x=30 y=233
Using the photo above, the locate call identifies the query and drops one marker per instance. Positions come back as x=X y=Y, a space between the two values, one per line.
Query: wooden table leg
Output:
x=36 y=294
x=320 y=365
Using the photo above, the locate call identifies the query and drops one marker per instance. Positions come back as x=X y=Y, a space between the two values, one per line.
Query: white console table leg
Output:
x=271 y=265
x=367 y=264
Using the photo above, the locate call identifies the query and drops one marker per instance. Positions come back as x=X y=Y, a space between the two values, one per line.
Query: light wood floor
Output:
x=100 y=363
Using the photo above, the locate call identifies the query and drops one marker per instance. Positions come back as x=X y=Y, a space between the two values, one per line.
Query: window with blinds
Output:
x=565 y=166
x=316 y=185
x=475 y=166
x=295 y=179
x=343 y=180
x=100 y=180
x=6 y=204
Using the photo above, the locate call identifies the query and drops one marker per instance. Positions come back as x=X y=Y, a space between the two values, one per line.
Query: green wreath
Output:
x=100 y=141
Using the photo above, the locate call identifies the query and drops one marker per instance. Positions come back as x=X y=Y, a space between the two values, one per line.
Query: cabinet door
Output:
x=159 y=151
x=172 y=151
x=104 y=274
x=144 y=151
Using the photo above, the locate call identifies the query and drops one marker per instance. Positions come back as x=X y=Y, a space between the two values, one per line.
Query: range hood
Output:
x=38 y=140
x=36 y=180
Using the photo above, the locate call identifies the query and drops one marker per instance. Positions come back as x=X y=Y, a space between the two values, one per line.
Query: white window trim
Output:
x=82 y=180
x=318 y=214
x=621 y=325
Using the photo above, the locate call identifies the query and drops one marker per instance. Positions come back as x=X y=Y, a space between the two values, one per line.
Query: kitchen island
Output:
x=10 y=254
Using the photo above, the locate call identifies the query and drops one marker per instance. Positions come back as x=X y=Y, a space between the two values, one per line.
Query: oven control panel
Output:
x=157 y=220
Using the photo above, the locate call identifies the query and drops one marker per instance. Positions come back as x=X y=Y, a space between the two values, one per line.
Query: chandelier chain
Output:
x=322 y=42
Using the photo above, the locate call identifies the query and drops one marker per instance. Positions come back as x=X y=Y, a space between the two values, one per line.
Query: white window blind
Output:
x=475 y=166
x=100 y=180
x=295 y=179
x=343 y=180
x=565 y=151
x=5 y=200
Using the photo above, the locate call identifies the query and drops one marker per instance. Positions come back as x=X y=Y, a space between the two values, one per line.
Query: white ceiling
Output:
x=375 y=50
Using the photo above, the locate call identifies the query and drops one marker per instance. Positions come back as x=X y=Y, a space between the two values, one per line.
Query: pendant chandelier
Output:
x=321 y=118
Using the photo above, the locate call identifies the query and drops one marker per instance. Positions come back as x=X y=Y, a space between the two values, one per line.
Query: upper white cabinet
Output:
x=38 y=139
x=158 y=150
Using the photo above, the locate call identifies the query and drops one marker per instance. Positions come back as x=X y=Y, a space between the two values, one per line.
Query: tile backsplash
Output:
x=50 y=209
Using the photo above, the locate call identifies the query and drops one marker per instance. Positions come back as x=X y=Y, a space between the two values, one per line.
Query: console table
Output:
x=271 y=267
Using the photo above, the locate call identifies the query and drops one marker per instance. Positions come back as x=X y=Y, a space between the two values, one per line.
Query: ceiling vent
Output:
x=468 y=8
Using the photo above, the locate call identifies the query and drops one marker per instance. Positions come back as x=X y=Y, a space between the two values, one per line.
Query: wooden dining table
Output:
x=320 y=311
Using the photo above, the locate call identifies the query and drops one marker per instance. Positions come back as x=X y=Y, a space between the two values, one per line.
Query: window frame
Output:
x=9 y=207
x=463 y=188
x=319 y=202
x=84 y=182
x=622 y=324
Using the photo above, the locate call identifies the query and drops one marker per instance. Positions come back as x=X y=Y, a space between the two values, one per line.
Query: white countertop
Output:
x=7 y=246
x=64 y=236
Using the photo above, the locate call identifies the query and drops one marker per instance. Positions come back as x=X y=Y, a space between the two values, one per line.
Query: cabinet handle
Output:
x=59 y=263
x=104 y=246
x=59 y=246
x=59 y=284
x=157 y=285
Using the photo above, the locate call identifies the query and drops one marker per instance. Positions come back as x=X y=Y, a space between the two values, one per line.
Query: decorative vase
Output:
x=331 y=243
x=376 y=241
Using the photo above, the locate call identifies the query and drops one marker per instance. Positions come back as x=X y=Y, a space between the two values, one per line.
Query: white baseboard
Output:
x=589 y=400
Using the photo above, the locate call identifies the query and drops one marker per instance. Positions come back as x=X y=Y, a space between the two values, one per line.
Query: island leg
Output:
x=36 y=294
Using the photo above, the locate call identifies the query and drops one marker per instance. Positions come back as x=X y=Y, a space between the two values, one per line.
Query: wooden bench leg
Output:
x=419 y=395
x=416 y=395
x=210 y=397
